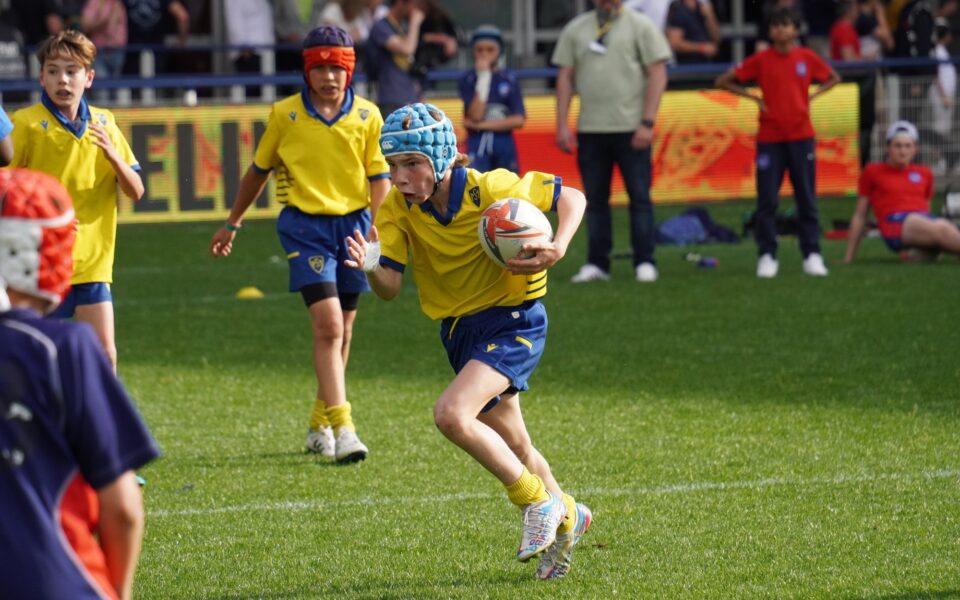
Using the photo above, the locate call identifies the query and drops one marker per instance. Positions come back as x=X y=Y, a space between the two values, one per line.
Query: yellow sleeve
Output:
x=393 y=239
x=540 y=189
x=267 y=156
x=120 y=142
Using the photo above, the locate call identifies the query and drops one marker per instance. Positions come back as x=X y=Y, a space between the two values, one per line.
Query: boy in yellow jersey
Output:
x=81 y=146
x=492 y=325
x=331 y=176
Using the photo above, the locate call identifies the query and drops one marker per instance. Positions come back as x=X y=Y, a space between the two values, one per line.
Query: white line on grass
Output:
x=677 y=488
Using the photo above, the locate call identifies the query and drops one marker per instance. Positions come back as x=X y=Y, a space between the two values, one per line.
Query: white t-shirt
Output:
x=656 y=10
x=946 y=72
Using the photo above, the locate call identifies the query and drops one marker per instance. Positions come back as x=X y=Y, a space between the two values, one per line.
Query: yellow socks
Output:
x=318 y=416
x=570 y=520
x=526 y=490
x=339 y=416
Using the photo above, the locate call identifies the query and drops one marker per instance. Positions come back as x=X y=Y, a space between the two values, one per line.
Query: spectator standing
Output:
x=249 y=27
x=914 y=38
x=616 y=60
x=105 y=23
x=65 y=412
x=289 y=28
x=899 y=193
x=35 y=19
x=13 y=64
x=872 y=28
x=942 y=97
x=439 y=41
x=693 y=31
x=492 y=104
x=146 y=24
x=845 y=46
x=785 y=139
x=356 y=17
x=390 y=52
x=656 y=10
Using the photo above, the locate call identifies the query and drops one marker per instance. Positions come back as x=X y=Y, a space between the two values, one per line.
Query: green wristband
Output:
x=231 y=227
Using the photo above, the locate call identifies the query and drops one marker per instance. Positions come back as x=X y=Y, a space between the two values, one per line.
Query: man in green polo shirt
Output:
x=616 y=59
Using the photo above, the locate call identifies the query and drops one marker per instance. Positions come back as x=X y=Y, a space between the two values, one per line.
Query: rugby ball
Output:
x=506 y=225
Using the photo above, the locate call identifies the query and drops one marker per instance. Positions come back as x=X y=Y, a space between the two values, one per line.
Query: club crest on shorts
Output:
x=316 y=263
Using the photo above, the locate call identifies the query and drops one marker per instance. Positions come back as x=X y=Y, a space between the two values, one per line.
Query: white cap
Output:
x=898 y=127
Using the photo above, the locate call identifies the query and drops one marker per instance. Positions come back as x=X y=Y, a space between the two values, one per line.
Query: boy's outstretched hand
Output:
x=364 y=252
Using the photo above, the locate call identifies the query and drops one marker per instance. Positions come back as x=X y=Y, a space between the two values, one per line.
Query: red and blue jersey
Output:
x=784 y=79
x=893 y=191
x=64 y=413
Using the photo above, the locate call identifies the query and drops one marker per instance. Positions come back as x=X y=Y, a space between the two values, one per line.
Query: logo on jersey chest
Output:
x=801 y=68
x=364 y=113
x=44 y=124
x=316 y=263
x=293 y=115
x=914 y=177
x=475 y=195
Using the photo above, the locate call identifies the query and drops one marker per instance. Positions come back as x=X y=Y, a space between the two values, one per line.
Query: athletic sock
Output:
x=318 y=416
x=339 y=417
x=571 y=519
x=527 y=490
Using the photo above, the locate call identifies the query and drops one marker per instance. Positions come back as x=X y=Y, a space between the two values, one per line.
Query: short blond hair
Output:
x=70 y=43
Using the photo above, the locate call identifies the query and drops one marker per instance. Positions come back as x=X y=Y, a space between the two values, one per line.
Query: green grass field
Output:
x=736 y=438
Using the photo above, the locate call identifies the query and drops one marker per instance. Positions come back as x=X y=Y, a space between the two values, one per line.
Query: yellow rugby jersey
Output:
x=454 y=276
x=44 y=140
x=323 y=166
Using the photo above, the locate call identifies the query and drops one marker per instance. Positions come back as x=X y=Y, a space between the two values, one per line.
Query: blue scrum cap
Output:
x=327 y=35
x=487 y=32
x=420 y=129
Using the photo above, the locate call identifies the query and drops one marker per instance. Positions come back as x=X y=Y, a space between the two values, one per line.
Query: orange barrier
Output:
x=192 y=158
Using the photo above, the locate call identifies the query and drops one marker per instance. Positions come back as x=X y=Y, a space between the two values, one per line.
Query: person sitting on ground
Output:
x=899 y=193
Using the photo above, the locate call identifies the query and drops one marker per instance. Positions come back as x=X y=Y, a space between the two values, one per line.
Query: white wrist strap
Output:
x=371 y=258
x=483 y=84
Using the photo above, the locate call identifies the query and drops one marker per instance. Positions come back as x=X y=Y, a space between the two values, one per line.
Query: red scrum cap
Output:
x=37 y=231
x=329 y=45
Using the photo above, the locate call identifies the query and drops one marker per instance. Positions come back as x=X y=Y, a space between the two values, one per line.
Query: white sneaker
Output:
x=590 y=272
x=349 y=447
x=767 y=267
x=540 y=522
x=813 y=265
x=555 y=562
x=646 y=272
x=321 y=441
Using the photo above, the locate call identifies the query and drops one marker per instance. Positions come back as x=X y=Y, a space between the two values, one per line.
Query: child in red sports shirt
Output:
x=899 y=193
x=785 y=141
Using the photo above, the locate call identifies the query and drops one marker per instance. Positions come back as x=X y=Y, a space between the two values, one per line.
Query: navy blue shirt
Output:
x=694 y=27
x=61 y=410
x=395 y=85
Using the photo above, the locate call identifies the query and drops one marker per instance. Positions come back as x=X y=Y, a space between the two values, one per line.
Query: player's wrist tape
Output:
x=371 y=259
x=231 y=227
x=484 y=79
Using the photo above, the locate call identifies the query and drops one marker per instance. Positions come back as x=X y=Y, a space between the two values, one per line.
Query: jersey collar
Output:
x=312 y=111
x=458 y=183
x=78 y=127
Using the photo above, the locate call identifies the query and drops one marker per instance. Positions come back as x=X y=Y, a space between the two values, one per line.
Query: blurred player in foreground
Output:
x=330 y=176
x=899 y=193
x=492 y=324
x=81 y=146
x=66 y=419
